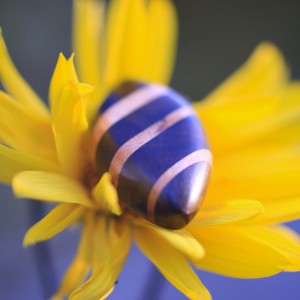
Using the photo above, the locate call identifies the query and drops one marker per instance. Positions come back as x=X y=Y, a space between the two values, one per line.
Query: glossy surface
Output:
x=154 y=147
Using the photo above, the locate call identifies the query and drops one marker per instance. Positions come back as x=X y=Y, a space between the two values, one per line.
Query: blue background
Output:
x=215 y=38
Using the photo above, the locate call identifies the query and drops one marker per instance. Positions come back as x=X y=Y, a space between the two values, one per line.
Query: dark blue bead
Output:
x=155 y=149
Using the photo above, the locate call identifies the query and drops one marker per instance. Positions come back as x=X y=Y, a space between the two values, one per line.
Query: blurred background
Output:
x=215 y=38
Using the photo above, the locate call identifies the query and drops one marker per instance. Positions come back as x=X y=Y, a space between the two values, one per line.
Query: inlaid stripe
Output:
x=125 y=106
x=203 y=155
x=132 y=145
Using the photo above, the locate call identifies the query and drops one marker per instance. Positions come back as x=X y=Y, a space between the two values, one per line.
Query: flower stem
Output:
x=155 y=285
x=42 y=254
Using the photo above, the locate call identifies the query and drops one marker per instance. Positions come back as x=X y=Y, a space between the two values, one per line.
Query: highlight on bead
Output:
x=125 y=158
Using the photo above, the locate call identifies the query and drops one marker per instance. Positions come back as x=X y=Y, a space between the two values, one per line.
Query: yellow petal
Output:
x=70 y=126
x=182 y=240
x=117 y=20
x=254 y=172
x=140 y=41
x=171 y=263
x=80 y=266
x=279 y=211
x=106 y=195
x=13 y=162
x=106 y=237
x=264 y=72
x=241 y=123
x=249 y=104
x=243 y=252
x=103 y=280
x=134 y=47
x=230 y=212
x=24 y=131
x=161 y=43
x=64 y=72
x=56 y=221
x=17 y=86
x=286 y=241
x=88 y=19
x=103 y=243
x=49 y=187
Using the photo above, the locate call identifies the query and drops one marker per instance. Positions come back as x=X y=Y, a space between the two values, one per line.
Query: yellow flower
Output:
x=252 y=123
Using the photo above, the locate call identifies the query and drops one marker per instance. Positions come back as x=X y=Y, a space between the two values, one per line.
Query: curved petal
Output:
x=80 y=266
x=64 y=72
x=230 y=212
x=25 y=131
x=56 y=221
x=103 y=280
x=243 y=252
x=279 y=211
x=17 y=86
x=172 y=264
x=103 y=243
x=49 y=187
x=70 y=126
x=182 y=240
x=13 y=162
x=285 y=240
x=106 y=195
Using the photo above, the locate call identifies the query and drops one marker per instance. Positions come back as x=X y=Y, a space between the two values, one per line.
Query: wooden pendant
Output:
x=153 y=145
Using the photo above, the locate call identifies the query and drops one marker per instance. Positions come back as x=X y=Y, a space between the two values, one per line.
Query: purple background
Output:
x=215 y=38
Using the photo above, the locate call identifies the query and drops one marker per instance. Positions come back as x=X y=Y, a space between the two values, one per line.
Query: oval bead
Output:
x=153 y=145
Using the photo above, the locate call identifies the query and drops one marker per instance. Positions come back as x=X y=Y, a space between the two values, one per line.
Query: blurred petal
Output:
x=250 y=104
x=279 y=211
x=106 y=195
x=182 y=240
x=17 y=124
x=51 y=187
x=103 y=280
x=117 y=20
x=236 y=120
x=13 y=162
x=70 y=126
x=61 y=217
x=88 y=28
x=243 y=252
x=161 y=43
x=103 y=243
x=286 y=241
x=80 y=266
x=141 y=40
x=17 y=86
x=172 y=264
x=254 y=172
x=265 y=72
x=134 y=47
x=230 y=212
